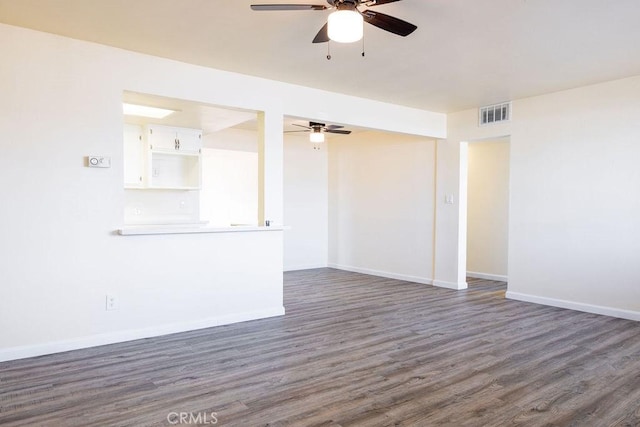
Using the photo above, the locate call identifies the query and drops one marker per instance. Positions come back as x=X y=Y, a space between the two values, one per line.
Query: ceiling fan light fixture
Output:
x=345 y=26
x=316 y=137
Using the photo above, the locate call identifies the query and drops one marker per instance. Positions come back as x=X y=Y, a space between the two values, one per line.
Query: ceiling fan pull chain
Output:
x=363 y=44
x=329 y=50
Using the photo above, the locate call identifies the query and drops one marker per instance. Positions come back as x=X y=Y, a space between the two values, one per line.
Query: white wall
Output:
x=59 y=253
x=573 y=229
x=305 y=203
x=161 y=207
x=232 y=139
x=230 y=177
x=229 y=194
x=488 y=209
x=381 y=205
x=575 y=234
x=305 y=191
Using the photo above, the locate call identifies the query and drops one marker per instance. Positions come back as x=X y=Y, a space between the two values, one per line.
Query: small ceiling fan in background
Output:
x=345 y=23
x=317 y=130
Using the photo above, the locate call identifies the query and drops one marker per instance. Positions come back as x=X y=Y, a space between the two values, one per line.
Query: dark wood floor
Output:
x=353 y=350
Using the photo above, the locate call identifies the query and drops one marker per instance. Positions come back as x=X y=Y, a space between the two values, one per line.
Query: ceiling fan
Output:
x=317 y=130
x=344 y=24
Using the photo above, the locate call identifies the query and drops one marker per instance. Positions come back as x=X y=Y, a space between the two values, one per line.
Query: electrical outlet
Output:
x=111 y=303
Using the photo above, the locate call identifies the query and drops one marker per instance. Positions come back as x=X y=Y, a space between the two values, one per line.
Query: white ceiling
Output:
x=465 y=53
x=209 y=118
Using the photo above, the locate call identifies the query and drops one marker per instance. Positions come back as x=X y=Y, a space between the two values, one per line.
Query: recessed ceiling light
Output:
x=145 y=111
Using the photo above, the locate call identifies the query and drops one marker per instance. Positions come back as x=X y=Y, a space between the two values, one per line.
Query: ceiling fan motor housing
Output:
x=344 y=4
x=337 y=3
x=317 y=127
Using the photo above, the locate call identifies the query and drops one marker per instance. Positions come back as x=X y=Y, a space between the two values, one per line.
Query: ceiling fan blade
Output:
x=341 y=132
x=379 y=2
x=262 y=7
x=302 y=126
x=295 y=131
x=323 y=34
x=334 y=127
x=388 y=23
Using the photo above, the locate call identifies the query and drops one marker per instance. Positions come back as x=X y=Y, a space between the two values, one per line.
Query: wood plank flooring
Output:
x=352 y=350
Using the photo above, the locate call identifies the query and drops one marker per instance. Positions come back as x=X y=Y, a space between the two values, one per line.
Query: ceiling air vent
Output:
x=495 y=113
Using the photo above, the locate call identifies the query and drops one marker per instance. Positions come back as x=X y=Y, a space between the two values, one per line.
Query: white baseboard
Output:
x=305 y=267
x=578 y=306
x=487 y=276
x=405 y=277
x=450 y=285
x=22 y=352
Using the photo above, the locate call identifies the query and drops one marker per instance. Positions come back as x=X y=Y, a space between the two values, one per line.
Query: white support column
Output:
x=270 y=168
x=451 y=215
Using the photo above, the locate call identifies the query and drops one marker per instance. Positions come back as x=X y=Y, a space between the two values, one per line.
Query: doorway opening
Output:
x=488 y=210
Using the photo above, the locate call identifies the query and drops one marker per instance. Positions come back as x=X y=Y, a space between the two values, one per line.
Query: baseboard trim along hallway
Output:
x=572 y=305
x=487 y=276
x=379 y=273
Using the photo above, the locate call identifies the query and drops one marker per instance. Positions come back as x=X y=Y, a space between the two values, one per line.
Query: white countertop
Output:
x=137 y=230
